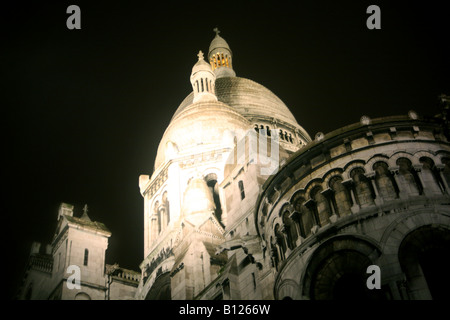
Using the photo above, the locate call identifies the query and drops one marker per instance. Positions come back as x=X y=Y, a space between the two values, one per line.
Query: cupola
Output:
x=220 y=57
x=203 y=81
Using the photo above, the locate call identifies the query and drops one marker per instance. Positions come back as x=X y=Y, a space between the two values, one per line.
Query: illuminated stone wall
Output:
x=356 y=197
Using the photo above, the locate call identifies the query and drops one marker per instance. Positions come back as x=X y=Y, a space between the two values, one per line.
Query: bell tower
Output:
x=220 y=57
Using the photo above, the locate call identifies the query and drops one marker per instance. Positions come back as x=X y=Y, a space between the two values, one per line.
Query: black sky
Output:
x=83 y=110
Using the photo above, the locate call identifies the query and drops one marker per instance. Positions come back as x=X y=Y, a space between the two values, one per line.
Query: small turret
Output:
x=203 y=80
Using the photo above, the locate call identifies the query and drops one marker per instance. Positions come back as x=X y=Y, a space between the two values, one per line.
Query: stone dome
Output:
x=218 y=43
x=201 y=65
x=200 y=126
x=248 y=98
x=221 y=106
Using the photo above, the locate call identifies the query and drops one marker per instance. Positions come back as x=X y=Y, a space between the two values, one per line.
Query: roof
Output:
x=87 y=223
x=247 y=97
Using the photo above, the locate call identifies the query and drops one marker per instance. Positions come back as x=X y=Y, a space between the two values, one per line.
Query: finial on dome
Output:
x=216 y=30
x=200 y=55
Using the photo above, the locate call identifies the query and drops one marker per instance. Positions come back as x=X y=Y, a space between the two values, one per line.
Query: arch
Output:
x=364 y=192
x=402 y=154
x=323 y=209
x=420 y=256
x=285 y=207
x=398 y=229
x=341 y=196
x=349 y=166
x=296 y=194
x=338 y=263
x=408 y=180
x=432 y=182
x=302 y=215
x=312 y=184
x=384 y=181
x=288 y=290
x=161 y=288
x=82 y=296
x=424 y=153
x=331 y=174
x=372 y=160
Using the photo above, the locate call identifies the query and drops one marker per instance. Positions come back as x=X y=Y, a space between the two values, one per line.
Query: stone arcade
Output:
x=217 y=226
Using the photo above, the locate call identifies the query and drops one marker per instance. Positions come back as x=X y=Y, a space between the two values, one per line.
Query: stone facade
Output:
x=372 y=193
x=78 y=248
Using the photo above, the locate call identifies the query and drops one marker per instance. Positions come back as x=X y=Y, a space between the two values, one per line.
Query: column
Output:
x=350 y=187
x=377 y=199
x=444 y=181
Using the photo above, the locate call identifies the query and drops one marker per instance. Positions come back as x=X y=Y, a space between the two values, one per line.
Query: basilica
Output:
x=244 y=204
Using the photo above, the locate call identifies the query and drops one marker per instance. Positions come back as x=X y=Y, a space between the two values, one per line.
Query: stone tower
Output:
x=73 y=265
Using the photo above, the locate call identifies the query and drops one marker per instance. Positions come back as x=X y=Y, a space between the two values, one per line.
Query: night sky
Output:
x=83 y=111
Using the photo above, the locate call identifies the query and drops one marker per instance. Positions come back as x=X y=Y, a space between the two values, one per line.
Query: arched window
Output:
x=303 y=216
x=363 y=189
x=384 y=181
x=408 y=179
x=160 y=289
x=86 y=257
x=341 y=196
x=421 y=255
x=430 y=176
x=322 y=205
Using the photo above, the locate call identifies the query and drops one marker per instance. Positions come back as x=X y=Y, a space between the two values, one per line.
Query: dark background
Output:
x=83 y=111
